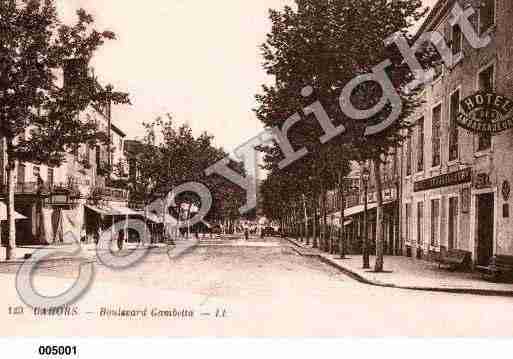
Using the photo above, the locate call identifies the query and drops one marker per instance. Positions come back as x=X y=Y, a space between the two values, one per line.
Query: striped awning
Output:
x=112 y=211
x=3 y=213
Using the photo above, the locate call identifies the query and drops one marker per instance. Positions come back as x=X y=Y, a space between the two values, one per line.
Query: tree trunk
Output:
x=321 y=223
x=325 y=221
x=365 y=240
x=307 y=235
x=145 y=234
x=11 y=226
x=314 y=225
x=341 y=242
x=399 y=196
x=378 y=267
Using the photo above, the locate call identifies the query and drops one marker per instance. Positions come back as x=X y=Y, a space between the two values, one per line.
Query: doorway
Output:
x=485 y=228
x=453 y=223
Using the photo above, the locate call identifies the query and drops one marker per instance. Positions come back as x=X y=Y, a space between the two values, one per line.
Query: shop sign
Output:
x=59 y=199
x=486 y=112
x=482 y=180
x=448 y=179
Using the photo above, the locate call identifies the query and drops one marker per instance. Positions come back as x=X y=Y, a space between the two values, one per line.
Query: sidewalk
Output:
x=88 y=252
x=408 y=273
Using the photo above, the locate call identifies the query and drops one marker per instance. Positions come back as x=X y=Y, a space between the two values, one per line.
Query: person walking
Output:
x=246 y=233
x=121 y=239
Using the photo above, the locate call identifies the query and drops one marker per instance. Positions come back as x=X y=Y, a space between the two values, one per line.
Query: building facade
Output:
x=361 y=190
x=456 y=183
x=73 y=197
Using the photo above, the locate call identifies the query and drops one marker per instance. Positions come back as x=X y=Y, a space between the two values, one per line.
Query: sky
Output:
x=198 y=60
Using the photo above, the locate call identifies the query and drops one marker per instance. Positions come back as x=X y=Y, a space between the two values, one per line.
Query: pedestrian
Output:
x=83 y=235
x=121 y=239
x=246 y=234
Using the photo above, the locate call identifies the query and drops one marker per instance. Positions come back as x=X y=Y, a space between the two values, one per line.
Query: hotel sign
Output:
x=486 y=112
x=449 y=179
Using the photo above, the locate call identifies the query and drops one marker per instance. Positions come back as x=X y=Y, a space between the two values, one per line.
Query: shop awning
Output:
x=112 y=211
x=360 y=208
x=3 y=213
x=151 y=217
x=336 y=221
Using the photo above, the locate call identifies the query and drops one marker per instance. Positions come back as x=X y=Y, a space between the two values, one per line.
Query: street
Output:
x=255 y=288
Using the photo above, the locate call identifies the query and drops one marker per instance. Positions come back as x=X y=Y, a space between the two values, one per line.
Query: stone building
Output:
x=456 y=183
x=355 y=207
x=75 y=196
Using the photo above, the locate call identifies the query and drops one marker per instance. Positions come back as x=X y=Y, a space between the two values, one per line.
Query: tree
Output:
x=39 y=120
x=168 y=156
x=324 y=44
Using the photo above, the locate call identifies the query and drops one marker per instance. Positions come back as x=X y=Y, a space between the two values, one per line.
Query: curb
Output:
x=86 y=259
x=181 y=251
x=20 y=262
x=359 y=278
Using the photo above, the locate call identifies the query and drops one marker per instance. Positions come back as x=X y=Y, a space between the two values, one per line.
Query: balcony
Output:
x=109 y=194
x=29 y=188
x=352 y=201
x=35 y=188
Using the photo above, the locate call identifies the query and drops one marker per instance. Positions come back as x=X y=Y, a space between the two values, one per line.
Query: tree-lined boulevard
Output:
x=275 y=269
x=267 y=289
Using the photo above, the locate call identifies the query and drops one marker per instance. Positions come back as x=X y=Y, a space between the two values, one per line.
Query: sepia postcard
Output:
x=271 y=168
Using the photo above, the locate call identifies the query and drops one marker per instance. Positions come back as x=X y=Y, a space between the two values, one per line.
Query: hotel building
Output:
x=457 y=181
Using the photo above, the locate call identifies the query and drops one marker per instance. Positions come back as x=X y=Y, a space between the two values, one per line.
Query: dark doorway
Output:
x=453 y=222
x=485 y=228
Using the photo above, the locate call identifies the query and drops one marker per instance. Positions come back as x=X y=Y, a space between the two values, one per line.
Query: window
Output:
x=486 y=79
x=88 y=153
x=457 y=40
x=435 y=222
x=420 y=223
x=2 y=172
x=420 y=145
x=132 y=169
x=408 y=221
x=486 y=84
x=486 y=15
x=37 y=172
x=453 y=127
x=21 y=173
x=50 y=178
x=120 y=145
x=98 y=160
x=408 y=153
x=437 y=119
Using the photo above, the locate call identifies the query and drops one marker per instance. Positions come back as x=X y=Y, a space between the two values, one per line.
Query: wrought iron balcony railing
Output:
x=109 y=193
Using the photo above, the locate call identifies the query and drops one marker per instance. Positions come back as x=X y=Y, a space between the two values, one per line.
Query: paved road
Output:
x=259 y=288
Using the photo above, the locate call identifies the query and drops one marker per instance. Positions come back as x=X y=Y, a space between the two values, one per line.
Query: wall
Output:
x=497 y=162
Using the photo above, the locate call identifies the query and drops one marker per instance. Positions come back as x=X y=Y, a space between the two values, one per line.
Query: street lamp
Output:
x=365 y=248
